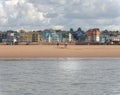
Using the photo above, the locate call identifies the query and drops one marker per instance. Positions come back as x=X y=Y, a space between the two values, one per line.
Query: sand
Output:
x=39 y=51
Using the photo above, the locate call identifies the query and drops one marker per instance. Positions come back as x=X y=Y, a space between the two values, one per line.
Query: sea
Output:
x=60 y=76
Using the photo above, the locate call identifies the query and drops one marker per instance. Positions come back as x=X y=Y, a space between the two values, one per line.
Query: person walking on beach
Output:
x=65 y=44
x=57 y=44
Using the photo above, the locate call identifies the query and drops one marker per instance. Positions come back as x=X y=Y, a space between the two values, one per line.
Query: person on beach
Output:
x=65 y=44
x=57 y=44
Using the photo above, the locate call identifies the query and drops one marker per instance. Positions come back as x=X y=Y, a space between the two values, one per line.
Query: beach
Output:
x=41 y=51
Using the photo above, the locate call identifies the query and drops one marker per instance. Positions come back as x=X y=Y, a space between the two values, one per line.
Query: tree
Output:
x=106 y=31
x=79 y=29
x=71 y=30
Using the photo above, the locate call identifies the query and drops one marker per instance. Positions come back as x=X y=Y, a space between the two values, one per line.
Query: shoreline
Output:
x=60 y=59
x=52 y=51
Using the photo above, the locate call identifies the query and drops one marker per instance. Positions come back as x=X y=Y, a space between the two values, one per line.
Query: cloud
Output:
x=3 y=17
x=20 y=13
x=58 y=27
x=41 y=14
x=93 y=9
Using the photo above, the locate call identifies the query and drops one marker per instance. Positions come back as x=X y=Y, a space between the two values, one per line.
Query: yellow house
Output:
x=36 y=37
x=21 y=36
x=29 y=37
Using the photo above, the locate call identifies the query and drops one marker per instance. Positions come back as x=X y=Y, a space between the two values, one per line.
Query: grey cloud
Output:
x=98 y=9
x=67 y=13
x=51 y=15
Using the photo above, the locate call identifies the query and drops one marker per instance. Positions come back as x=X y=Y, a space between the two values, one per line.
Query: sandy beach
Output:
x=38 y=51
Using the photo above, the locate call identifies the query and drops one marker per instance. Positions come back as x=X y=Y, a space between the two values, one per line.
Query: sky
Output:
x=59 y=14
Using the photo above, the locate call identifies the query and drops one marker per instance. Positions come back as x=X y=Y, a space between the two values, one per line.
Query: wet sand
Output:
x=39 y=51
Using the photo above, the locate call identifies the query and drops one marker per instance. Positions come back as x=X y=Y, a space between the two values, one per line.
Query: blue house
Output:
x=0 y=36
x=4 y=36
x=79 y=36
x=11 y=37
x=103 y=39
x=50 y=36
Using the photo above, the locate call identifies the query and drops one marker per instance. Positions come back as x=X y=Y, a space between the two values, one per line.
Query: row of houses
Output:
x=50 y=36
x=95 y=36
x=21 y=37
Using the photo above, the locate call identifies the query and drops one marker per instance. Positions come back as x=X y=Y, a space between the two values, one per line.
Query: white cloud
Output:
x=31 y=13
x=68 y=14
x=57 y=27
x=20 y=13
x=3 y=18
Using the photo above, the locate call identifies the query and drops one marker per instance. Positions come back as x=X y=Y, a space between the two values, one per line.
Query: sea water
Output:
x=60 y=76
